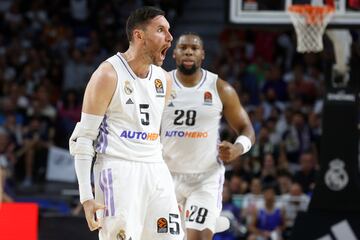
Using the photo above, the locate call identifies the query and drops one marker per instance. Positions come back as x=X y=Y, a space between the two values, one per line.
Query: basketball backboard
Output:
x=273 y=13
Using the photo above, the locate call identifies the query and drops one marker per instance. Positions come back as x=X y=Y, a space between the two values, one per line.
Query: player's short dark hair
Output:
x=192 y=34
x=141 y=16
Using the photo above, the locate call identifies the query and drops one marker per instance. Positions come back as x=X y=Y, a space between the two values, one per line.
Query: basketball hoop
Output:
x=310 y=22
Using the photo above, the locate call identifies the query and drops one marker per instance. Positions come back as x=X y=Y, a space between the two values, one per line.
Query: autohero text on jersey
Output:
x=139 y=135
x=186 y=134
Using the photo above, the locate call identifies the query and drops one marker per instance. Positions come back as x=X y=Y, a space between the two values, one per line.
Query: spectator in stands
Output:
x=306 y=175
x=76 y=71
x=293 y=203
x=267 y=222
x=36 y=142
x=284 y=180
x=69 y=112
x=268 y=172
x=301 y=85
x=252 y=200
x=249 y=83
x=238 y=185
x=256 y=118
x=274 y=136
x=8 y=108
x=275 y=88
x=297 y=138
x=284 y=121
x=314 y=120
x=41 y=105
x=232 y=212
x=6 y=156
x=263 y=145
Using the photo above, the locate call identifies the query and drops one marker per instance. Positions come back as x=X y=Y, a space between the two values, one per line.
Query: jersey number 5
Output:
x=190 y=117
x=144 y=114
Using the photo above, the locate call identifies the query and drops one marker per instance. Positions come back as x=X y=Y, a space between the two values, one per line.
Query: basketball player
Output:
x=190 y=135
x=120 y=122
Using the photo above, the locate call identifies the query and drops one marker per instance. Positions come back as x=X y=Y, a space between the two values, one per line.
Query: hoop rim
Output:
x=310 y=9
x=314 y=15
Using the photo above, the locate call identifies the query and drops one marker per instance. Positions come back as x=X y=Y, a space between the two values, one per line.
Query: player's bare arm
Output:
x=237 y=118
x=100 y=89
x=97 y=97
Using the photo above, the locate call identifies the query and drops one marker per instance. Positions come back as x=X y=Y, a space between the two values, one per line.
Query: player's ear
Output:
x=202 y=54
x=138 y=34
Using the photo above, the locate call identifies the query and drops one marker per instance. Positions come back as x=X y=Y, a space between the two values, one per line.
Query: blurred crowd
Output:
x=48 y=50
x=282 y=92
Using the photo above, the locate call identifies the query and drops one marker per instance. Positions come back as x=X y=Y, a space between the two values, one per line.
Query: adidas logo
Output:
x=129 y=101
x=341 y=231
x=171 y=105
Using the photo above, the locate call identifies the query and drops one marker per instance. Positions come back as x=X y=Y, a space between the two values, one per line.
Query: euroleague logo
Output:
x=162 y=225
x=207 y=98
x=159 y=86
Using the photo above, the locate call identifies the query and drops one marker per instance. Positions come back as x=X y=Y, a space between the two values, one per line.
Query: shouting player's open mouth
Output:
x=163 y=52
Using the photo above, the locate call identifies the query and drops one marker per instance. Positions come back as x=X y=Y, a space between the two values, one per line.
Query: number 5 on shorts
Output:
x=174 y=225
x=170 y=225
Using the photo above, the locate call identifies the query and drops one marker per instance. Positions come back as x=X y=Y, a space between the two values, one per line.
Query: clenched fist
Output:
x=229 y=151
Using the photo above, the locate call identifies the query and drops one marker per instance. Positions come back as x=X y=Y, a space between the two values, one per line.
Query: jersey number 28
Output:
x=185 y=117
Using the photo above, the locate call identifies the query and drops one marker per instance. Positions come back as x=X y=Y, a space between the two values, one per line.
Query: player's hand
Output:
x=90 y=208
x=229 y=151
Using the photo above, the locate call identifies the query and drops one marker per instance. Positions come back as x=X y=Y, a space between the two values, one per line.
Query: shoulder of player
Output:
x=100 y=89
x=225 y=90
x=104 y=75
x=103 y=80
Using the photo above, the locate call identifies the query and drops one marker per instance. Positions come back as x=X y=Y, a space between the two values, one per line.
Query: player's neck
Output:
x=189 y=80
x=137 y=62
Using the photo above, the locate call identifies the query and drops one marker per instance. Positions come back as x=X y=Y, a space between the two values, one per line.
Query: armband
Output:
x=87 y=128
x=245 y=142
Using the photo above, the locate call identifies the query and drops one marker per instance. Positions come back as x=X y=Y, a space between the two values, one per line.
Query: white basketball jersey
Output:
x=130 y=129
x=190 y=126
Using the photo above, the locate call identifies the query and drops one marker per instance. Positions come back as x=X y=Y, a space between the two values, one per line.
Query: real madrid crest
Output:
x=336 y=177
x=128 y=89
x=172 y=97
x=121 y=235
x=173 y=94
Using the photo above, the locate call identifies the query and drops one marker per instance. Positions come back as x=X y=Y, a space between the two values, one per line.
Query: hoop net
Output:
x=310 y=23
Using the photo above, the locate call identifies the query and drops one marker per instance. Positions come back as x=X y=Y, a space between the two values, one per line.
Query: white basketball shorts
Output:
x=140 y=201
x=200 y=198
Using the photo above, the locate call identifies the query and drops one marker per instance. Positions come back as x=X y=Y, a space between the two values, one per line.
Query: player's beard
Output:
x=187 y=71
x=151 y=55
